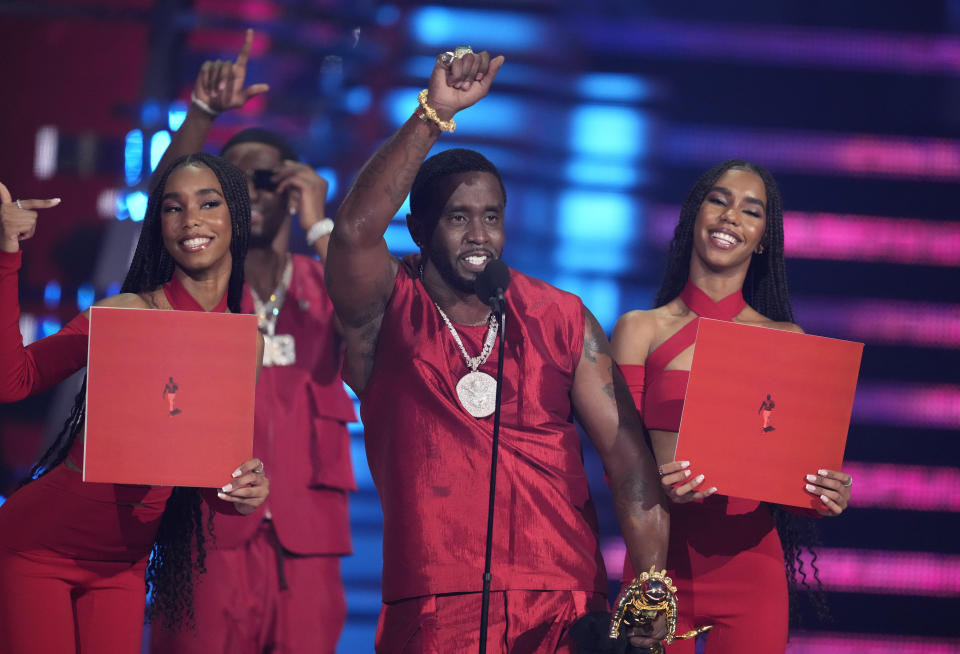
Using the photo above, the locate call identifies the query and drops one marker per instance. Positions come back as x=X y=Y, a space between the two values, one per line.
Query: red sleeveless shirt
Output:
x=430 y=459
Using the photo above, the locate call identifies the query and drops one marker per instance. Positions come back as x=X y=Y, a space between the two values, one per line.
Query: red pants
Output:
x=241 y=609
x=53 y=605
x=520 y=622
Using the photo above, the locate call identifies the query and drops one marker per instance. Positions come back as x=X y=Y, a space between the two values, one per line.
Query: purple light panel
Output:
x=849 y=237
x=882 y=322
x=850 y=155
x=904 y=487
x=863 y=571
x=840 y=643
x=910 y=405
x=777 y=45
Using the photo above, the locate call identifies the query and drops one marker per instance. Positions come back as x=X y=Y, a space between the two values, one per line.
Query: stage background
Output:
x=602 y=117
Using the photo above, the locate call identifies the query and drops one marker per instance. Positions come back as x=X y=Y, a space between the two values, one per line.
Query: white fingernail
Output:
x=236 y=473
x=221 y=495
x=822 y=473
x=811 y=477
x=700 y=478
x=227 y=488
x=712 y=490
x=686 y=473
x=810 y=488
x=684 y=464
x=824 y=498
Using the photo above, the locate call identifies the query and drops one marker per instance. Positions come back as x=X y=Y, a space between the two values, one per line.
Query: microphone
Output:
x=491 y=284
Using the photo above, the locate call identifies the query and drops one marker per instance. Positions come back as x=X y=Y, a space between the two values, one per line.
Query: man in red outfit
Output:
x=273 y=582
x=421 y=356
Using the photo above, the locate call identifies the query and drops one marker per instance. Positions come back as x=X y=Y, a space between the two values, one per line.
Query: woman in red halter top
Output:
x=73 y=555
x=726 y=262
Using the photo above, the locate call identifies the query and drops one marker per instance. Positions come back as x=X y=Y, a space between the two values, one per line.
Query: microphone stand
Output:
x=501 y=311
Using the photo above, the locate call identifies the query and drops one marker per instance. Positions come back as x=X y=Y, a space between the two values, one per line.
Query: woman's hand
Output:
x=679 y=484
x=833 y=489
x=220 y=83
x=249 y=488
x=18 y=219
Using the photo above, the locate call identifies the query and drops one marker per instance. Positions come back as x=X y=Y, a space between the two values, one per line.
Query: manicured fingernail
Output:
x=686 y=473
x=824 y=498
x=221 y=495
x=810 y=488
x=56 y=200
x=811 y=477
x=712 y=490
x=237 y=473
x=684 y=464
x=227 y=488
x=699 y=478
x=822 y=473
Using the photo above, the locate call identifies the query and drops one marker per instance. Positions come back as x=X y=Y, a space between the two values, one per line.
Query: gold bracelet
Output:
x=429 y=114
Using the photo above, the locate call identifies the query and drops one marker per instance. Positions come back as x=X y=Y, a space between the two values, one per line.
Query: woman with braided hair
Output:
x=726 y=554
x=74 y=555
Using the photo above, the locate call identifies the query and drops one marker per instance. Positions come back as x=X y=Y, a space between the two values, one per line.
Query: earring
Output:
x=759 y=249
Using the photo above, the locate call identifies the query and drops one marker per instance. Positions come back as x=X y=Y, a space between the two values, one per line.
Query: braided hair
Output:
x=764 y=289
x=170 y=573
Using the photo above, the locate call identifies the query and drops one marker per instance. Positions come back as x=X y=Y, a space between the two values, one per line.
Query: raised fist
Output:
x=462 y=82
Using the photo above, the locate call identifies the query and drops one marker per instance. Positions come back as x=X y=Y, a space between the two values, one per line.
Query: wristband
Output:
x=203 y=106
x=318 y=230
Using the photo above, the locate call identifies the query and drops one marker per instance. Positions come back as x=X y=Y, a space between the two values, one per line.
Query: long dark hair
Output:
x=764 y=289
x=170 y=573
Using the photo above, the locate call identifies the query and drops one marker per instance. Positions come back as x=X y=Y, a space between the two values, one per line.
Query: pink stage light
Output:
x=813 y=642
x=857 y=571
x=882 y=322
x=910 y=405
x=889 y=573
x=909 y=488
x=848 y=237
x=858 y=155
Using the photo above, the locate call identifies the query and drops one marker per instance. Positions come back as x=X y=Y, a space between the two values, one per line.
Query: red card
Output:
x=764 y=408
x=170 y=396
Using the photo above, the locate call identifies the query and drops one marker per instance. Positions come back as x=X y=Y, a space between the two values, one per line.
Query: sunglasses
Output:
x=262 y=180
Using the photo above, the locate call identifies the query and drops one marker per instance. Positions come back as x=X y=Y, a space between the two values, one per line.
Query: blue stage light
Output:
x=85 y=296
x=333 y=185
x=176 y=114
x=399 y=240
x=150 y=113
x=51 y=294
x=597 y=216
x=113 y=289
x=614 y=87
x=387 y=15
x=358 y=99
x=601 y=296
x=609 y=131
x=588 y=171
x=133 y=157
x=158 y=145
x=49 y=326
x=444 y=27
x=137 y=205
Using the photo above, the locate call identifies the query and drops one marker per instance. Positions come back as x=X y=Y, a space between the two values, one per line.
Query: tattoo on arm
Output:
x=593 y=340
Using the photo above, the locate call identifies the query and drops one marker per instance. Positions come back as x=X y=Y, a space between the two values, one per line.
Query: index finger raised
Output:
x=244 y=55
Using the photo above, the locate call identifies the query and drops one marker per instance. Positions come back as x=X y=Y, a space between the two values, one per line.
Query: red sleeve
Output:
x=634 y=376
x=28 y=370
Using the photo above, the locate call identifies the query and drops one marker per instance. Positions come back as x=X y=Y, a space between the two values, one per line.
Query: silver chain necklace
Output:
x=476 y=390
x=278 y=349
